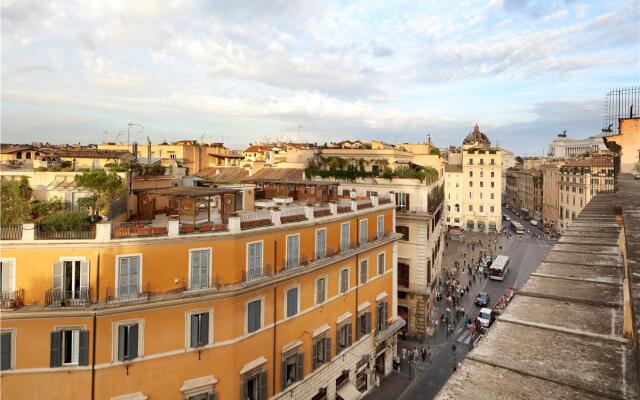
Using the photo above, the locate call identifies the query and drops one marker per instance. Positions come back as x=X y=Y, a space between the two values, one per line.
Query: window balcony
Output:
x=112 y=297
x=67 y=298
x=12 y=300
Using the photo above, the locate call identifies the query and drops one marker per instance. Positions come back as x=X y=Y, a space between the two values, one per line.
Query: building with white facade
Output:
x=564 y=147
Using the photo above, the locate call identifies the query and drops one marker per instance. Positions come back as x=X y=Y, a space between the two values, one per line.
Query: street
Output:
x=525 y=253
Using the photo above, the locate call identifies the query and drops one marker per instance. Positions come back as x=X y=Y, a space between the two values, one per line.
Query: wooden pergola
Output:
x=189 y=200
x=300 y=190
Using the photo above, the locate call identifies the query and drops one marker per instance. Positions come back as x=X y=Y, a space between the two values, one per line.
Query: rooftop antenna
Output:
x=129 y=132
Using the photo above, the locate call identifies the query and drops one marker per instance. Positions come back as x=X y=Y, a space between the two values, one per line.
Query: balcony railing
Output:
x=256 y=274
x=321 y=211
x=11 y=232
x=255 y=219
x=112 y=297
x=12 y=300
x=186 y=229
x=138 y=229
x=41 y=234
x=65 y=298
x=292 y=214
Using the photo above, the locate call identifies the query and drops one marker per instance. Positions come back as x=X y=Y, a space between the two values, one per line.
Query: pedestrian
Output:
x=410 y=356
x=424 y=354
x=404 y=353
x=429 y=354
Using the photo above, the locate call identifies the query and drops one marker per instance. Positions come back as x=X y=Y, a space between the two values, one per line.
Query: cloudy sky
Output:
x=240 y=71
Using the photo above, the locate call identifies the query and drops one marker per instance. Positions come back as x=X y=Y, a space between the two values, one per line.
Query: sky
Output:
x=242 y=71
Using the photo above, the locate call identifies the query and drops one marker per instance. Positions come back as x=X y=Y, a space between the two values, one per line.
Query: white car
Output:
x=484 y=317
x=534 y=222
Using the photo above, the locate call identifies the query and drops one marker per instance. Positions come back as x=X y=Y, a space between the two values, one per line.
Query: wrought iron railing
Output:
x=42 y=234
x=12 y=300
x=67 y=298
x=11 y=232
x=113 y=297
x=256 y=274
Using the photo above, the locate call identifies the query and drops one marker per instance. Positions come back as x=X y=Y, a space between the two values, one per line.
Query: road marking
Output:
x=465 y=338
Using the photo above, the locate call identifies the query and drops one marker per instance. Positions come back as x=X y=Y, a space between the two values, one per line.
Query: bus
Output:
x=499 y=268
x=517 y=227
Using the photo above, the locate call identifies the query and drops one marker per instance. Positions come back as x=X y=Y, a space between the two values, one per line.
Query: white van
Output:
x=485 y=318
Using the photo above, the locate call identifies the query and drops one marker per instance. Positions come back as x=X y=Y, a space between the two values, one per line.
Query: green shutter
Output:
x=263 y=385
x=133 y=341
x=243 y=389
x=314 y=359
x=283 y=375
x=349 y=338
x=5 y=351
x=327 y=349
x=368 y=324
x=194 y=330
x=204 y=329
x=122 y=337
x=300 y=365
x=56 y=345
x=83 y=348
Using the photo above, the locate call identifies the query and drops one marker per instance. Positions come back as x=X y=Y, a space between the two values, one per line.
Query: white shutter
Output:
x=75 y=345
x=8 y=271
x=57 y=276
x=258 y=262
x=134 y=275
x=251 y=258
x=84 y=276
x=123 y=276
x=195 y=269
x=205 y=256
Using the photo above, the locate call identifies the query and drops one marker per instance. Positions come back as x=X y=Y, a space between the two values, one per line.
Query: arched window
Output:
x=28 y=155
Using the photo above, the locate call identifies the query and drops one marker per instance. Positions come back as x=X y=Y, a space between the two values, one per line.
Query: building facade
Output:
x=287 y=308
x=580 y=180
x=564 y=147
x=525 y=190
x=479 y=186
x=551 y=194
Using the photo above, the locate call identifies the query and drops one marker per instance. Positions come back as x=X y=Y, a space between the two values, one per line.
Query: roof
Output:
x=6 y=148
x=90 y=153
x=294 y=182
x=452 y=168
x=592 y=162
x=252 y=149
x=277 y=174
x=576 y=351
x=188 y=191
x=223 y=174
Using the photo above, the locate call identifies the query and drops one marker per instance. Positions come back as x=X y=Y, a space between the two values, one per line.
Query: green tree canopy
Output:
x=15 y=195
x=106 y=188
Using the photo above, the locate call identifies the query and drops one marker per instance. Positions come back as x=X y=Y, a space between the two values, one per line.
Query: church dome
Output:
x=477 y=137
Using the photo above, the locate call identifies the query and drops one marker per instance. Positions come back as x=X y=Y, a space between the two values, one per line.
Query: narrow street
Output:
x=525 y=253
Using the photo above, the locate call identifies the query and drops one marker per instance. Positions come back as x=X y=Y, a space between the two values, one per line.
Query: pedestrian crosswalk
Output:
x=465 y=337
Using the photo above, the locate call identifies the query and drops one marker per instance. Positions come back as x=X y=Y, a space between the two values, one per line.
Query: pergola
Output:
x=190 y=200
x=299 y=190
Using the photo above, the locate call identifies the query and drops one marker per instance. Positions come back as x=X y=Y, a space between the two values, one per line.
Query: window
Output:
x=172 y=156
x=129 y=276
x=492 y=174
x=470 y=195
x=470 y=207
x=364 y=271
x=291 y=301
x=7 y=278
x=69 y=347
x=448 y=207
x=254 y=386
x=493 y=162
x=254 y=315
x=344 y=338
x=380 y=227
x=292 y=369
x=382 y=315
x=199 y=269
x=381 y=267
x=481 y=184
x=491 y=208
x=482 y=161
x=70 y=280
x=470 y=183
x=321 y=351
x=127 y=342
x=364 y=324
x=402 y=201
x=321 y=290
x=491 y=195
x=7 y=345
x=471 y=161
x=199 y=329
x=492 y=184
x=254 y=260
x=481 y=174
x=404 y=231
x=344 y=280
x=344 y=236
x=470 y=174
x=364 y=230
x=293 y=251
x=321 y=243
x=480 y=195
x=481 y=208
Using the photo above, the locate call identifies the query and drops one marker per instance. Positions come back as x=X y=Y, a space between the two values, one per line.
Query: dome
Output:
x=478 y=137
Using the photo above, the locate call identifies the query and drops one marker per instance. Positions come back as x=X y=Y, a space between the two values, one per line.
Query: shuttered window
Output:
x=254 y=260
x=254 y=318
x=382 y=315
x=7 y=276
x=5 y=350
x=321 y=243
x=71 y=279
x=344 y=280
x=254 y=386
x=364 y=271
x=292 y=369
x=292 y=302
x=344 y=237
x=128 y=276
x=199 y=329
x=381 y=267
x=200 y=269
x=69 y=347
x=364 y=231
x=364 y=324
x=127 y=342
x=293 y=251
x=344 y=338
x=380 y=227
x=321 y=290
x=321 y=352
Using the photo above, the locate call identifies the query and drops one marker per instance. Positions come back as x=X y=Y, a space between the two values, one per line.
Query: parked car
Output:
x=486 y=316
x=636 y=176
x=527 y=218
x=533 y=222
x=482 y=299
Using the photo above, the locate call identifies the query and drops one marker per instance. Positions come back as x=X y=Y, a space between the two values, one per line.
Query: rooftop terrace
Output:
x=571 y=332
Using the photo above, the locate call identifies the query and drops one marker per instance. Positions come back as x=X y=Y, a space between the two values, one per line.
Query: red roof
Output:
x=258 y=148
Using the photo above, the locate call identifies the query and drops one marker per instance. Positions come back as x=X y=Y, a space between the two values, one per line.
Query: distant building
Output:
x=473 y=189
x=564 y=147
x=551 y=194
x=525 y=190
x=580 y=180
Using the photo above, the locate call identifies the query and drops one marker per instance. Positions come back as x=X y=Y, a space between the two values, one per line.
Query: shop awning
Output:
x=391 y=329
x=349 y=392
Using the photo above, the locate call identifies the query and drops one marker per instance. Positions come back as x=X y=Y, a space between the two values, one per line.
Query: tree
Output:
x=519 y=160
x=44 y=208
x=106 y=188
x=15 y=197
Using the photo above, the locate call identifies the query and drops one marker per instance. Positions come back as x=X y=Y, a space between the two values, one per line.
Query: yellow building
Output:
x=295 y=302
x=477 y=183
x=551 y=194
x=626 y=144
